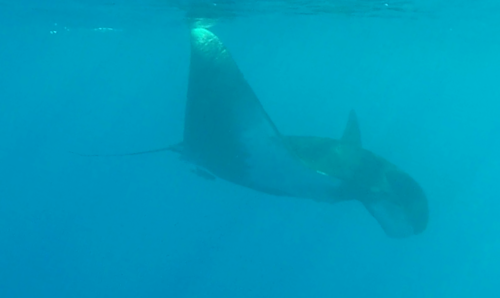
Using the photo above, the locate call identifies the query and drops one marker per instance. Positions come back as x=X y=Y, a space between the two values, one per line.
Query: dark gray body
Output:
x=228 y=133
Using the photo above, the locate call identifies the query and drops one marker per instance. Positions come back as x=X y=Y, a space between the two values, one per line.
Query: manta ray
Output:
x=228 y=134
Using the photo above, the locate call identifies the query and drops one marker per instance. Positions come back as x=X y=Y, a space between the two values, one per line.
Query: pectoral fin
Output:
x=228 y=132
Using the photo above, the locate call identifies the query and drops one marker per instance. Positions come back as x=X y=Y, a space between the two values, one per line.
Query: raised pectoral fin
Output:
x=227 y=131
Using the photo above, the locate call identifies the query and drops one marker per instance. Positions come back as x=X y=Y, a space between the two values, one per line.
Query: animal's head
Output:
x=392 y=196
x=398 y=204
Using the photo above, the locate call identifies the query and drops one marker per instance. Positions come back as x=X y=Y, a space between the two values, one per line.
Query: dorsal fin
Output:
x=352 y=135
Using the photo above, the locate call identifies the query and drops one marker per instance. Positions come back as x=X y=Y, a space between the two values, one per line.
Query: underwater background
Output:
x=110 y=77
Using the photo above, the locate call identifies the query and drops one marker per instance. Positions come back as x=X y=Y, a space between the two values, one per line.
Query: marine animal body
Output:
x=228 y=133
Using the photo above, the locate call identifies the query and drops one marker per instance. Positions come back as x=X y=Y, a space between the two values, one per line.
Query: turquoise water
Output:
x=111 y=77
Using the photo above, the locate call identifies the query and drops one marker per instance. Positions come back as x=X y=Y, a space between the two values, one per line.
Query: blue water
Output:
x=424 y=85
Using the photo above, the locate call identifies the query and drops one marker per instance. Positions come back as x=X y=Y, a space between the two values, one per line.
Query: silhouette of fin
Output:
x=352 y=134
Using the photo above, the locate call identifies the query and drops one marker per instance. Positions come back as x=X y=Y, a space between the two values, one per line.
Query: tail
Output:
x=175 y=148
